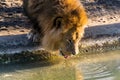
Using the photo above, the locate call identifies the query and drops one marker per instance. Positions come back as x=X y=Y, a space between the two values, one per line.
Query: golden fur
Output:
x=58 y=24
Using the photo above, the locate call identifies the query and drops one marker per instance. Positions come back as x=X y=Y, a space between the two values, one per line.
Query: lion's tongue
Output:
x=66 y=56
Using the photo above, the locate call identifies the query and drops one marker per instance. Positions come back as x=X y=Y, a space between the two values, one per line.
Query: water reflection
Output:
x=104 y=66
x=101 y=70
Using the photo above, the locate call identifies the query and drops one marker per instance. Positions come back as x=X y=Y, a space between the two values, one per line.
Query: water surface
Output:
x=102 y=66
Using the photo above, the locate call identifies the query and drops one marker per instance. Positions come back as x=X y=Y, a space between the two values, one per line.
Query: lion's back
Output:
x=35 y=8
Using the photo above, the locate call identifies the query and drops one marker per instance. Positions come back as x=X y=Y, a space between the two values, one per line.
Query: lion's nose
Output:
x=75 y=51
x=72 y=48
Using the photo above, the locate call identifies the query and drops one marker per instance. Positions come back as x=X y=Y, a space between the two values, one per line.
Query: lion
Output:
x=57 y=24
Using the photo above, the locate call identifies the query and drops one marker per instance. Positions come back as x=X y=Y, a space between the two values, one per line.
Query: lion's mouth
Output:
x=65 y=55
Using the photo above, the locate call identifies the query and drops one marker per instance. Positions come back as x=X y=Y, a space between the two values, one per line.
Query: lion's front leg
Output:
x=34 y=36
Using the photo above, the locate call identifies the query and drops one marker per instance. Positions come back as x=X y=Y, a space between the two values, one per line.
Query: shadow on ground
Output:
x=109 y=30
x=13 y=16
x=93 y=32
x=99 y=8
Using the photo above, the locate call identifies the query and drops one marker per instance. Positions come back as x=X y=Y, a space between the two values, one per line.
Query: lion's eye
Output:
x=58 y=22
x=69 y=41
x=76 y=35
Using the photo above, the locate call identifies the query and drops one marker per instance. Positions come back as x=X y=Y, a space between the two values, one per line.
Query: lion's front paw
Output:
x=34 y=36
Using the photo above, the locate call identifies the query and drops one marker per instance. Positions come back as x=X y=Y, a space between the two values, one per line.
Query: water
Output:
x=104 y=66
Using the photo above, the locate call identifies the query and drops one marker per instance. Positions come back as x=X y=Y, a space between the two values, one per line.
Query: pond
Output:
x=99 y=66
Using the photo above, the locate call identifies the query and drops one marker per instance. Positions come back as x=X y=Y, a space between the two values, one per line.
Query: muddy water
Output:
x=104 y=66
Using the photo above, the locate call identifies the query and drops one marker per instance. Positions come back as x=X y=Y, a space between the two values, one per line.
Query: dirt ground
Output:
x=12 y=19
x=104 y=21
x=100 y=12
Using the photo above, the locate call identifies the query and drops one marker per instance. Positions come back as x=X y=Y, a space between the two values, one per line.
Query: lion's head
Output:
x=64 y=29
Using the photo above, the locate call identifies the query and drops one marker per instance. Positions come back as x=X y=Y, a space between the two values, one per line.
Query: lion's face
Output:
x=64 y=35
x=72 y=34
x=64 y=31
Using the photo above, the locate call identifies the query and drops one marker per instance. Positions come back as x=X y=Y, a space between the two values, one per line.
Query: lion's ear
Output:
x=75 y=12
x=57 y=23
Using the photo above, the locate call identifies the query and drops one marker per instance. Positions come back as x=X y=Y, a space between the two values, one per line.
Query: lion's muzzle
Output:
x=69 y=49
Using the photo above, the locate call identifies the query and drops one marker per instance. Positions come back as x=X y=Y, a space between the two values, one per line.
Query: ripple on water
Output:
x=100 y=70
